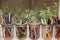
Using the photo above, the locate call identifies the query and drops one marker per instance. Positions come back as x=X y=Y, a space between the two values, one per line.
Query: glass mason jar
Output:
x=21 y=31
x=47 y=32
x=34 y=29
x=57 y=31
x=7 y=32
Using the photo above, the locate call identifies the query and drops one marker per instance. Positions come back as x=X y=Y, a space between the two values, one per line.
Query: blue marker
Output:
x=9 y=18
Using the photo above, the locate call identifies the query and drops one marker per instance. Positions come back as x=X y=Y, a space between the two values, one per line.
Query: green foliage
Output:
x=31 y=14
